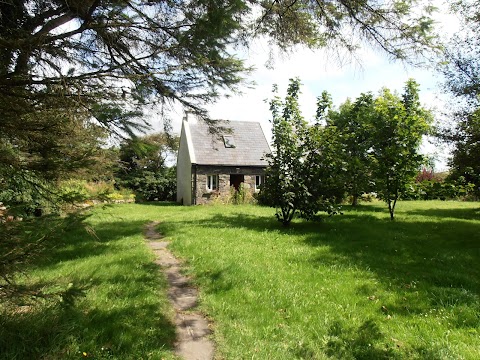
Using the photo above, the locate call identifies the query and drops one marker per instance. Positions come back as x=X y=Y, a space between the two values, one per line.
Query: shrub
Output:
x=436 y=190
x=25 y=194
x=241 y=196
x=100 y=190
x=71 y=191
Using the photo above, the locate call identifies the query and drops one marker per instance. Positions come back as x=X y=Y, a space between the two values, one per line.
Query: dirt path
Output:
x=192 y=328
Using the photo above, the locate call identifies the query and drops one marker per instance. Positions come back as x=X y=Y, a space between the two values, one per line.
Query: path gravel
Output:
x=193 y=342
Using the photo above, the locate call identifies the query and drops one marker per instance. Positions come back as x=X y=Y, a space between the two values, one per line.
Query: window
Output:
x=212 y=182
x=229 y=141
x=258 y=182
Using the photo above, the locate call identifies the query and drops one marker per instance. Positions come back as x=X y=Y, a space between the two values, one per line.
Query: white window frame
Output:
x=229 y=141
x=212 y=182
x=260 y=182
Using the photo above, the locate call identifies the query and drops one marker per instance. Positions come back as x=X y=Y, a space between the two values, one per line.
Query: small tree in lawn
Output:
x=304 y=173
x=285 y=187
x=400 y=124
x=324 y=170
x=324 y=164
x=355 y=131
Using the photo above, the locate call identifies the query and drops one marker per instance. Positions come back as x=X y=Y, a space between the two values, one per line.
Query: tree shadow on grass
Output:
x=465 y=214
x=84 y=241
x=442 y=252
x=61 y=333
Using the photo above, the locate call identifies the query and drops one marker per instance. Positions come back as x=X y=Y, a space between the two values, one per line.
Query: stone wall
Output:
x=223 y=193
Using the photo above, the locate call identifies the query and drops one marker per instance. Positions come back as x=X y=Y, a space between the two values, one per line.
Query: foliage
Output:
x=399 y=125
x=24 y=193
x=464 y=162
x=342 y=25
x=285 y=186
x=429 y=185
x=241 y=196
x=78 y=191
x=355 y=127
x=369 y=145
x=461 y=62
x=49 y=147
x=441 y=190
x=143 y=167
x=461 y=69
x=324 y=170
x=179 y=50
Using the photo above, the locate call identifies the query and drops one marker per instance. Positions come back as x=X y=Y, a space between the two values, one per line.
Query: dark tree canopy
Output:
x=178 y=50
x=143 y=166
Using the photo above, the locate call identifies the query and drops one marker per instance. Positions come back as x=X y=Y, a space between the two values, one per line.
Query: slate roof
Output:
x=209 y=148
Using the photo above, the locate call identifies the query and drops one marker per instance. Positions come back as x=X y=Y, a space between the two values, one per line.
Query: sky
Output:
x=318 y=72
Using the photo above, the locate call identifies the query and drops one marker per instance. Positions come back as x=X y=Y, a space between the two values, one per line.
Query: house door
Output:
x=236 y=180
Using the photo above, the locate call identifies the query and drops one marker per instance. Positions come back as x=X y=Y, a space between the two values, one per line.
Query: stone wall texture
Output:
x=204 y=196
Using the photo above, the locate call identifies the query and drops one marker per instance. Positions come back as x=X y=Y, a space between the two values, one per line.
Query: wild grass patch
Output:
x=120 y=309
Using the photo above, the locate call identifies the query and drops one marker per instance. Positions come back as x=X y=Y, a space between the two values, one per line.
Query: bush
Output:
x=72 y=191
x=25 y=194
x=152 y=186
x=436 y=190
x=100 y=190
x=241 y=196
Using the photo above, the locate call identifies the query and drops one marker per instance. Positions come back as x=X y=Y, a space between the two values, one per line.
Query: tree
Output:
x=324 y=170
x=52 y=147
x=461 y=57
x=464 y=164
x=285 y=187
x=144 y=169
x=400 y=124
x=302 y=175
x=354 y=124
x=461 y=68
x=109 y=57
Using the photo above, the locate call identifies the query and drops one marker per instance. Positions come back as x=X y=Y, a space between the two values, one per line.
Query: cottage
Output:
x=212 y=159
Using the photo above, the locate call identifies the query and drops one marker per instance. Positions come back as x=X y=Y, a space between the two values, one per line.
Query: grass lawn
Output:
x=354 y=286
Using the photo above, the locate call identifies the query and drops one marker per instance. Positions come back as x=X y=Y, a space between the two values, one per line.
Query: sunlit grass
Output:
x=352 y=286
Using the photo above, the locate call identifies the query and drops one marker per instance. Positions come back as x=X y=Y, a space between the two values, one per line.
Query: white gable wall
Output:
x=185 y=159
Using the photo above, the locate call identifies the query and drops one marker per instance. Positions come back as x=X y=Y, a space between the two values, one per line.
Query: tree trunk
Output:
x=355 y=200
x=391 y=209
